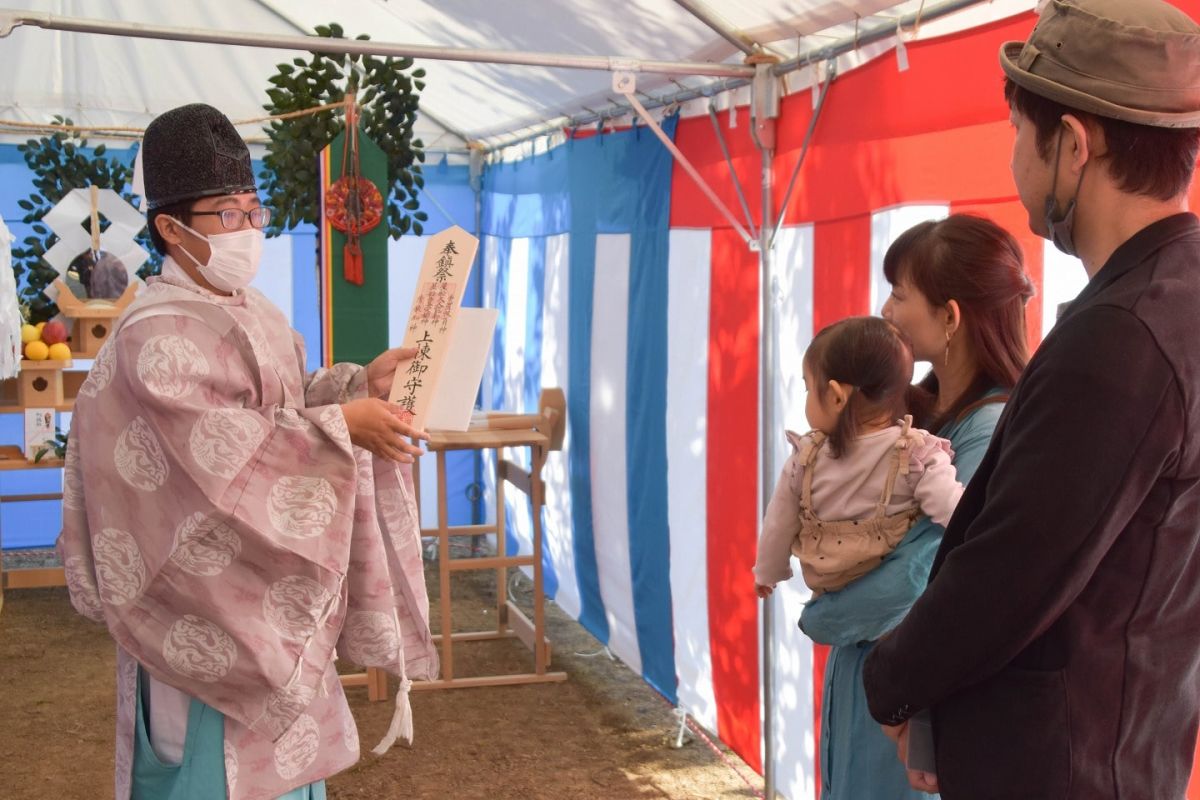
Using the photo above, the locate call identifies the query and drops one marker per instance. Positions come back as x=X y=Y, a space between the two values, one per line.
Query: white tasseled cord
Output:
x=402 y=721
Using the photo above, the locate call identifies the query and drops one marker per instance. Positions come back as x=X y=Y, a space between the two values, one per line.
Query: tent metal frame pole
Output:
x=867 y=35
x=703 y=13
x=687 y=167
x=11 y=19
x=737 y=183
x=808 y=135
x=764 y=111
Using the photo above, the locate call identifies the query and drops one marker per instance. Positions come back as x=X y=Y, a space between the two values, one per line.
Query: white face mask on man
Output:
x=233 y=257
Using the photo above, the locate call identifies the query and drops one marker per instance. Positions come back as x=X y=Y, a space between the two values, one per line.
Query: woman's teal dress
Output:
x=857 y=761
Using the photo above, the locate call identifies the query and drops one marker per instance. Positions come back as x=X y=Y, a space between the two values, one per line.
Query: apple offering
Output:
x=46 y=341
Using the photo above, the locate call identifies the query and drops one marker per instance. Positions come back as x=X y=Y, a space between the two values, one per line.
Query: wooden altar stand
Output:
x=11 y=458
x=53 y=384
x=542 y=433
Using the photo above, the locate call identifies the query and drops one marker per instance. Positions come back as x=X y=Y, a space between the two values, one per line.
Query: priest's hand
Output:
x=378 y=426
x=382 y=370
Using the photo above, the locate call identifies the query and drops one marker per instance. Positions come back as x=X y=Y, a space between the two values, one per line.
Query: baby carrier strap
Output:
x=808 y=456
x=899 y=466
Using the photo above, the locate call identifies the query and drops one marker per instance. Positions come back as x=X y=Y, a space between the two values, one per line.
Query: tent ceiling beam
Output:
x=703 y=13
x=10 y=19
x=868 y=35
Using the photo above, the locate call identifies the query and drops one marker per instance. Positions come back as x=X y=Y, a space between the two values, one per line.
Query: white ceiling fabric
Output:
x=109 y=80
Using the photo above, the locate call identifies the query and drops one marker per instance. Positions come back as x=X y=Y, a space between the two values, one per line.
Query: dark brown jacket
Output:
x=1058 y=643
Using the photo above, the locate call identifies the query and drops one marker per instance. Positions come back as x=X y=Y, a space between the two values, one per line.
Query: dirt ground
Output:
x=601 y=735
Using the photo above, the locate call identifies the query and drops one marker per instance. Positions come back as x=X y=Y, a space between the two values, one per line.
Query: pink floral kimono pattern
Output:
x=218 y=520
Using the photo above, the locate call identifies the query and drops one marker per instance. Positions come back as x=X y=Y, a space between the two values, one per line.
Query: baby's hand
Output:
x=763 y=591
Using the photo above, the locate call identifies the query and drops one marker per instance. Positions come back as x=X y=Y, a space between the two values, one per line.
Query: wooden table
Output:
x=541 y=433
x=12 y=460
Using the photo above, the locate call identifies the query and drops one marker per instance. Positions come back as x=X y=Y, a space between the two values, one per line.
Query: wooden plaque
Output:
x=440 y=287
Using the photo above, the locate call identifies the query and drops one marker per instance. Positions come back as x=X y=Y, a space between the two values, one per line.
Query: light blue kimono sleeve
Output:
x=875 y=603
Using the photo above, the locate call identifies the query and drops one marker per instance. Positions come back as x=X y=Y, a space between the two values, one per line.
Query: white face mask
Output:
x=233 y=258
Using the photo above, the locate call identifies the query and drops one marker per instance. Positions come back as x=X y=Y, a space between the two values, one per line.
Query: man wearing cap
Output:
x=1058 y=643
x=231 y=518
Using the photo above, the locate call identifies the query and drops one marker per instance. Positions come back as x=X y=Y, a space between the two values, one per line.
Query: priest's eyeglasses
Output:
x=231 y=218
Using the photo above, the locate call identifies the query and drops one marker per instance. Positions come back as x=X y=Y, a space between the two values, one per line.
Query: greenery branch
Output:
x=387 y=92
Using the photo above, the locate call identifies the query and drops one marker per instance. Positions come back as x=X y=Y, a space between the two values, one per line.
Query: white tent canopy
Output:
x=110 y=80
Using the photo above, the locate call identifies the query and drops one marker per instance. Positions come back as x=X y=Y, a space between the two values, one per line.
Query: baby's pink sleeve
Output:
x=933 y=479
x=780 y=525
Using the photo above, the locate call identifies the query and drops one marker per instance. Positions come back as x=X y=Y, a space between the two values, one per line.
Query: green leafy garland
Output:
x=388 y=99
x=60 y=163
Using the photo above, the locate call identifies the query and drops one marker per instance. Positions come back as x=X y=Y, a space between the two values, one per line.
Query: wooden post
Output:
x=539 y=607
x=444 y=568
x=501 y=546
x=377 y=684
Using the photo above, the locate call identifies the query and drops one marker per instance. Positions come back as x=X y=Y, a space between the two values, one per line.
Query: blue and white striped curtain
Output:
x=575 y=259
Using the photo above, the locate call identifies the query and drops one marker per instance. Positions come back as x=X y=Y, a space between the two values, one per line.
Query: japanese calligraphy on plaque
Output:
x=440 y=287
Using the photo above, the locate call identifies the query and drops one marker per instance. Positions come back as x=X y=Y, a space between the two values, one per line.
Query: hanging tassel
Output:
x=352 y=262
x=402 y=722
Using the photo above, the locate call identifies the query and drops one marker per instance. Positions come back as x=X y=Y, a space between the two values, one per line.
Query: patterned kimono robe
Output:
x=218 y=520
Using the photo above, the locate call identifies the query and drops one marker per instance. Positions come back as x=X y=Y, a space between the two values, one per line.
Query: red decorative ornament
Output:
x=348 y=214
x=353 y=204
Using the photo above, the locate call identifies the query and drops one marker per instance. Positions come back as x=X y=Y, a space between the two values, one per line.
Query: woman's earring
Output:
x=946 y=357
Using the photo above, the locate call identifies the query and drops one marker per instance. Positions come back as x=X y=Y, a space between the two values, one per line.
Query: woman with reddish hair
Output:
x=959 y=290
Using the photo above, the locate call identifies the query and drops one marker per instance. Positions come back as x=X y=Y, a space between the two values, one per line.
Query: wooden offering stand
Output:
x=53 y=384
x=542 y=432
x=11 y=458
x=40 y=384
x=93 y=318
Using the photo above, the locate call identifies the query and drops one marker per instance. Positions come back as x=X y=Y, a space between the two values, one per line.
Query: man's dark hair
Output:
x=181 y=211
x=1142 y=159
